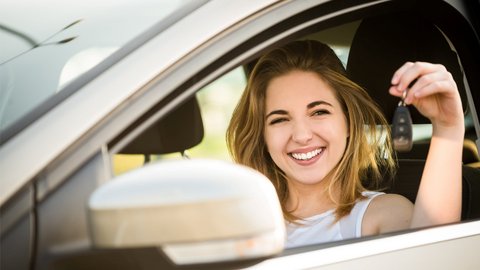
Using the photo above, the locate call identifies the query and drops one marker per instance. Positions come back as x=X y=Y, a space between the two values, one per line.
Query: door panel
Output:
x=16 y=231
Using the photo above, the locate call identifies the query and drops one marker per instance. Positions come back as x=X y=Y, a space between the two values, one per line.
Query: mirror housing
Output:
x=195 y=211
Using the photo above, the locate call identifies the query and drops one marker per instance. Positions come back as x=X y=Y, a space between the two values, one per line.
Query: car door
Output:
x=409 y=249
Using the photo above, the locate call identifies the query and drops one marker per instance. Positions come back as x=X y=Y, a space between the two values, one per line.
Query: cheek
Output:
x=335 y=131
x=331 y=129
x=342 y=127
x=275 y=139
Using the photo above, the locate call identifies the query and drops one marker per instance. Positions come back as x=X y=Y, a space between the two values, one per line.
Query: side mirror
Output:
x=196 y=211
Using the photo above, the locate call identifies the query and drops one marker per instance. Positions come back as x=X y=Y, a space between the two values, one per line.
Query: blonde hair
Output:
x=366 y=151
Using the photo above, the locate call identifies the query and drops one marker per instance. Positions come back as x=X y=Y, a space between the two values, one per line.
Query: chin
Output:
x=309 y=180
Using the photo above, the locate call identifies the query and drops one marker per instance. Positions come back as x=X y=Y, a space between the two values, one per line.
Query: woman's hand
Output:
x=434 y=94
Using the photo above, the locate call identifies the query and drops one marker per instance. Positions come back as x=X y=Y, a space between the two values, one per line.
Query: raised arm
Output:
x=435 y=95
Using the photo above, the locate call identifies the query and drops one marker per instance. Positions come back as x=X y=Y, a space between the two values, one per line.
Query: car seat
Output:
x=179 y=130
x=380 y=46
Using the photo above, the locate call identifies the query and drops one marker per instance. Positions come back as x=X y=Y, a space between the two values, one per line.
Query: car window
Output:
x=217 y=102
x=218 y=99
x=41 y=53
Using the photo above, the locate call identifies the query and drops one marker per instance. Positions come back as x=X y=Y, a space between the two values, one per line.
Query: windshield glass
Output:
x=46 y=44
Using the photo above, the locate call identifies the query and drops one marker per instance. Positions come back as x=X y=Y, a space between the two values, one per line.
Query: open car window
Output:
x=217 y=101
x=218 y=98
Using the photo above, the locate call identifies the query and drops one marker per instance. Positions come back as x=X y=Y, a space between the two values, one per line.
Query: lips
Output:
x=304 y=156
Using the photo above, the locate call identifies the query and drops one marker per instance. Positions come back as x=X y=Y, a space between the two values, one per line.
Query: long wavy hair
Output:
x=368 y=148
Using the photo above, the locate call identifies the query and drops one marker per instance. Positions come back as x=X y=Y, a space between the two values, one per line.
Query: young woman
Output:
x=314 y=134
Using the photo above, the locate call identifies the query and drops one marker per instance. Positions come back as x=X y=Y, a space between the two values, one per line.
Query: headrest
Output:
x=382 y=44
x=178 y=131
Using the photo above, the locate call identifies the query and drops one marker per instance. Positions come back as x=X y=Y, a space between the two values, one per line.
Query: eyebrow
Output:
x=282 y=112
x=316 y=103
x=309 y=106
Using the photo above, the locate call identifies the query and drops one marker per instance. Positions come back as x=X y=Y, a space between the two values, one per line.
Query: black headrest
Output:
x=178 y=131
x=382 y=44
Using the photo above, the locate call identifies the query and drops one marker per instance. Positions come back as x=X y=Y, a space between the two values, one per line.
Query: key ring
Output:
x=404 y=95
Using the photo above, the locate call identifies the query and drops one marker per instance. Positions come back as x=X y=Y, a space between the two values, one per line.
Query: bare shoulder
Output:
x=387 y=213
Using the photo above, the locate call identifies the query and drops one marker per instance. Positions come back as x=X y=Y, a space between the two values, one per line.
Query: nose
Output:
x=302 y=133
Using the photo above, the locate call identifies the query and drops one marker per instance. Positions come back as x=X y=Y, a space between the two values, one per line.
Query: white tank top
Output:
x=322 y=228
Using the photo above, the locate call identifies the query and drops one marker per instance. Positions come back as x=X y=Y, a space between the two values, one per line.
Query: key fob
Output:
x=402 y=129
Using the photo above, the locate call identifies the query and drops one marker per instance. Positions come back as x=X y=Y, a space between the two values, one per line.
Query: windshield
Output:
x=46 y=44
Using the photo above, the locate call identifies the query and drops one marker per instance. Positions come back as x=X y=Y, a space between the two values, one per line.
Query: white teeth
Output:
x=306 y=156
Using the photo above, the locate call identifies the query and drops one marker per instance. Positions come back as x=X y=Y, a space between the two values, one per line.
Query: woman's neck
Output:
x=308 y=200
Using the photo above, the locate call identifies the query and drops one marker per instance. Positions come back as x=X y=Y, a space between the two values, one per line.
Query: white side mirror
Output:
x=196 y=211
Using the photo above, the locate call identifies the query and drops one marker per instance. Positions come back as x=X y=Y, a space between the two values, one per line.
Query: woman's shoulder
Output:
x=387 y=213
x=389 y=200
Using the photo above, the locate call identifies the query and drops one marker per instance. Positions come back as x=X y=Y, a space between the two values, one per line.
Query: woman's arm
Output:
x=435 y=95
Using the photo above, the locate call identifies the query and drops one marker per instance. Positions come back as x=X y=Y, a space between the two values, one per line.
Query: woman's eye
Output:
x=320 y=112
x=277 y=120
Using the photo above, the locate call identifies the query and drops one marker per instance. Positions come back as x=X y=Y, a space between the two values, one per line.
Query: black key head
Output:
x=402 y=130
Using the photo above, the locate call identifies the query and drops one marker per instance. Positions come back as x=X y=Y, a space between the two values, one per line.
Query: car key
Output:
x=402 y=127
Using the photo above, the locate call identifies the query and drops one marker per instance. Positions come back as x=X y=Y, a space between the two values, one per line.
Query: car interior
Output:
x=167 y=136
x=376 y=44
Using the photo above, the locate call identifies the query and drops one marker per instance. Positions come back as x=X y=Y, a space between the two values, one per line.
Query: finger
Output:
x=425 y=80
x=393 y=90
x=440 y=86
x=398 y=74
x=416 y=70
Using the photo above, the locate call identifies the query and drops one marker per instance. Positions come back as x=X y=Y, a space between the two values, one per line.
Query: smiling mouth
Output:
x=308 y=155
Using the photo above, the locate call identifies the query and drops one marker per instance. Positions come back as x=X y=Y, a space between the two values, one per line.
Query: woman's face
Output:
x=305 y=128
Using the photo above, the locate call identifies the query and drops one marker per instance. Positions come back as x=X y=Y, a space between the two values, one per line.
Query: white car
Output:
x=91 y=91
